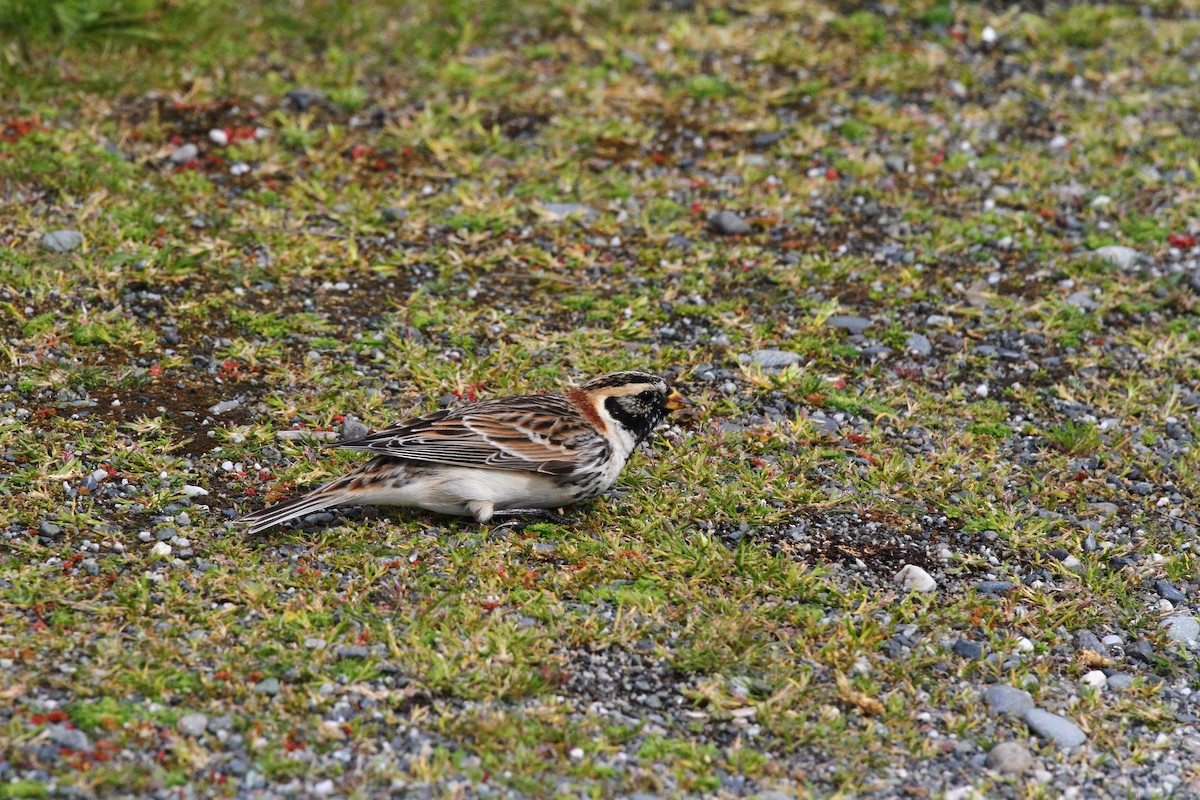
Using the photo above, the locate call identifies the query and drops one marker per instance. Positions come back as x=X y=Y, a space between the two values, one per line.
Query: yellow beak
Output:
x=675 y=401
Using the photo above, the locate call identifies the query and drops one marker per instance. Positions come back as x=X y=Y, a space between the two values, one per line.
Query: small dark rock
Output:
x=1168 y=592
x=728 y=223
x=972 y=651
x=303 y=98
x=764 y=140
x=1005 y=699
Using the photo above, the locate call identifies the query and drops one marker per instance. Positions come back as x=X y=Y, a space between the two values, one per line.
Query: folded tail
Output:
x=331 y=494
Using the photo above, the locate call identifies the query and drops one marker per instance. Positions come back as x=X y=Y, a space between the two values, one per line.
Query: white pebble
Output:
x=915 y=579
x=1094 y=679
x=160 y=550
x=1024 y=645
x=988 y=35
x=194 y=491
x=576 y=753
x=218 y=137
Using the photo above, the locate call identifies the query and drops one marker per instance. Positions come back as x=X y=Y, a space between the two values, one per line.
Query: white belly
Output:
x=474 y=492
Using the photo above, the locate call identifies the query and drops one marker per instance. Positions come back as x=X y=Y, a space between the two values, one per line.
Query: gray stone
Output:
x=353 y=429
x=1120 y=681
x=223 y=406
x=995 y=587
x=827 y=425
x=771 y=359
x=855 y=325
x=221 y=723
x=302 y=98
x=270 y=686
x=568 y=210
x=1083 y=300
x=1118 y=255
x=48 y=528
x=192 y=724
x=394 y=214
x=1086 y=640
x=70 y=738
x=62 y=241
x=352 y=651
x=728 y=223
x=972 y=651
x=1182 y=629
x=1005 y=699
x=1060 y=730
x=1168 y=592
x=919 y=345
x=762 y=141
x=184 y=153
x=1010 y=758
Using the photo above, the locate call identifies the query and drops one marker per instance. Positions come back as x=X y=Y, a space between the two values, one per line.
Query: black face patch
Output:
x=637 y=413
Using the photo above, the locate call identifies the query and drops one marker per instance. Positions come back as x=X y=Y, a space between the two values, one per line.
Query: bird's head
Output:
x=637 y=401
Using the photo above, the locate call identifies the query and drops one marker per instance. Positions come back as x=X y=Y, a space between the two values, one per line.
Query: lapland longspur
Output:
x=512 y=454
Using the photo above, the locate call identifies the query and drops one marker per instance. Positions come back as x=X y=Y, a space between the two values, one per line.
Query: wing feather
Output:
x=534 y=433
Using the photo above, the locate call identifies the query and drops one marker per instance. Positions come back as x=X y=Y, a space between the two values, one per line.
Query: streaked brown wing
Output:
x=535 y=433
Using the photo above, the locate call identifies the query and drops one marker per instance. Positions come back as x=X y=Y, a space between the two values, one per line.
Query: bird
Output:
x=510 y=456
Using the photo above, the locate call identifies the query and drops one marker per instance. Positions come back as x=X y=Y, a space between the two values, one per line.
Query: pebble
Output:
x=194 y=491
x=1094 y=679
x=223 y=406
x=323 y=788
x=1168 y=592
x=47 y=528
x=353 y=429
x=919 y=345
x=1058 y=729
x=268 y=686
x=1010 y=758
x=562 y=211
x=70 y=738
x=915 y=579
x=218 y=136
x=762 y=141
x=1118 y=255
x=771 y=359
x=314 y=643
x=1183 y=629
x=728 y=223
x=62 y=241
x=184 y=153
x=967 y=649
x=192 y=724
x=1119 y=681
x=1005 y=699
x=160 y=550
x=855 y=325
x=995 y=587
x=1083 y=300
x=988 y=35
x=302 y=98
